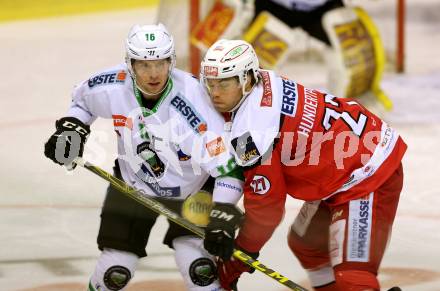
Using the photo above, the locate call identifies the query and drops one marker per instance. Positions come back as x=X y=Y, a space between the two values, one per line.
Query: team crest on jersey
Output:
x=245 y=149
x=112 y=77
x=185 y=108
x=260 y=184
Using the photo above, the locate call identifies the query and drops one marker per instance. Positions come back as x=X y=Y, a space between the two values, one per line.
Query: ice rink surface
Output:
x=49 y=218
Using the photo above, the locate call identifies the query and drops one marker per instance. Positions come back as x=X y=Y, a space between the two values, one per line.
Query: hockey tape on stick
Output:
x=159 y=208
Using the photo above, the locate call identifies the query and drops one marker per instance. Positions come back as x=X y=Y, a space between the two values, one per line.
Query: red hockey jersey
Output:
x=307 y=144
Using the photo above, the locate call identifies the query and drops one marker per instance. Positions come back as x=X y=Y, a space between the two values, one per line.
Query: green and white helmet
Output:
x=149 y=42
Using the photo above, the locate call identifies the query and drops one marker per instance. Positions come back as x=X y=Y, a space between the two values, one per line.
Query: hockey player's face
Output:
x=152 y=76
x=225 y=93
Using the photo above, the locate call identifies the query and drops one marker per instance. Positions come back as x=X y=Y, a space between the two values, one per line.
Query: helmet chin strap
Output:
x=239 y=102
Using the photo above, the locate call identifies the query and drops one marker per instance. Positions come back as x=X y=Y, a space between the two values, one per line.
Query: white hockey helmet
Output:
x=149 y=42
x=230 y=58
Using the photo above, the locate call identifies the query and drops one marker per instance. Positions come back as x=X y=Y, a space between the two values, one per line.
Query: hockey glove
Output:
x=68 y=141
x=220 y=231
x=230 y=271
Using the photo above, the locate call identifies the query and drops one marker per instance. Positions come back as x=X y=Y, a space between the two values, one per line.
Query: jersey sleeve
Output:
x=79 y=106
x=88 y=103
x=227 y=190
x=264 y=199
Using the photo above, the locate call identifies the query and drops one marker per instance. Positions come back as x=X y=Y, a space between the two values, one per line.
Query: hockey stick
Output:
x=159 y=208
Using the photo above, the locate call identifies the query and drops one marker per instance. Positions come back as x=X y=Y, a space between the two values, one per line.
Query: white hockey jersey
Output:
x=168 y=151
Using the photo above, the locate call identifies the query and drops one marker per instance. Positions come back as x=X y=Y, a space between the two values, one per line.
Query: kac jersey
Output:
x=307 y=144
x=168 y=151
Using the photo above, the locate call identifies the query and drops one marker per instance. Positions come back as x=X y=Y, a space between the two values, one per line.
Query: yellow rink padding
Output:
x=379 y=53
x=11 y=10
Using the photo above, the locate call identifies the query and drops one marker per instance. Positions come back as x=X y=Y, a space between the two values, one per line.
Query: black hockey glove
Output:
x=220 y=231
x=68 y=141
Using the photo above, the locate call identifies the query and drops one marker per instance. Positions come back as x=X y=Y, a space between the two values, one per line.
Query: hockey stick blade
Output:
x=159 y=208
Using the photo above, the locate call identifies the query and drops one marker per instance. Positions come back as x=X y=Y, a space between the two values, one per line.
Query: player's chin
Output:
x=155 y=89
x=221 y=108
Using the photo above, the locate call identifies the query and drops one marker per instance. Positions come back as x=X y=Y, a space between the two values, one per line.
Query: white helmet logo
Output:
x=260 y=184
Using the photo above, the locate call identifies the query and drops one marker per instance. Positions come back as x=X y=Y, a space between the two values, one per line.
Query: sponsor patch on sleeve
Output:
x=121 y=121
x=216 y=147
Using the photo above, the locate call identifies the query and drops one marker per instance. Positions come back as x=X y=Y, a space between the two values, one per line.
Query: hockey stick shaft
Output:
x=159 y=208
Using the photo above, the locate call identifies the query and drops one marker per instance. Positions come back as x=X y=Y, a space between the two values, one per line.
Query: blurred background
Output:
x=49 y=217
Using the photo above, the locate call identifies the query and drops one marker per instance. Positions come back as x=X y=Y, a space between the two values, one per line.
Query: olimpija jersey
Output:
x=168 y=151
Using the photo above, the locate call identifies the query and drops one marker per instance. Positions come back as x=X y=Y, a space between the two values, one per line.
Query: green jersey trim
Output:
x=139 y=97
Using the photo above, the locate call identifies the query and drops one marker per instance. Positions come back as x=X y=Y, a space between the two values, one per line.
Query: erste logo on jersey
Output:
x=290 y=97
x=113 y=77
x=260 y=184
x=194 y=119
